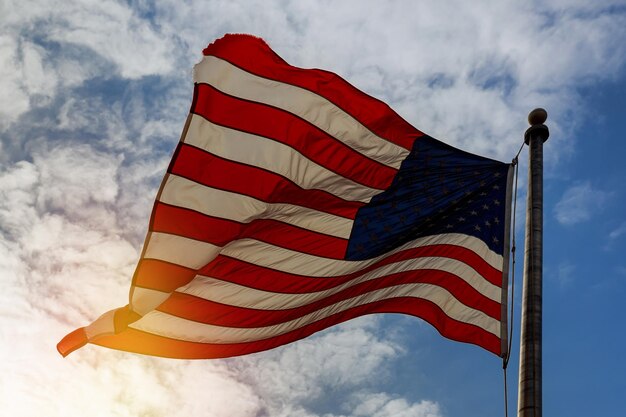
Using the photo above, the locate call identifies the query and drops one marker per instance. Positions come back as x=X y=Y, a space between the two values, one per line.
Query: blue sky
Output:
x=94 y=94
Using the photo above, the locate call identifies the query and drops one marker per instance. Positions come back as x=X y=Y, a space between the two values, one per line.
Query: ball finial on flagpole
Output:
x=537 y=116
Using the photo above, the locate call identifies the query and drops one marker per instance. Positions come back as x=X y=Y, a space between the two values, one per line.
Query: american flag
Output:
x=295 y=202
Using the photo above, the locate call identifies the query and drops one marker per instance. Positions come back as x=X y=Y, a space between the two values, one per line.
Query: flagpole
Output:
x=530 y=366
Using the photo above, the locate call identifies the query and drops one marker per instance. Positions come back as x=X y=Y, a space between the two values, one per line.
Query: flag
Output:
x=294 y=202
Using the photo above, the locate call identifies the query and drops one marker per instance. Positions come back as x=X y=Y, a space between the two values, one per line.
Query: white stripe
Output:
x=273 y=156
x=182 y=329
x=225 y=292
x=102 y=326
x=301 y=102
x=180 y=250
x=144 y=300
x=286 y=260
x=181 y=192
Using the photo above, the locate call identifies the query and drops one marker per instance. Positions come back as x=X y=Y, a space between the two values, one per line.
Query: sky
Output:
x=94 y=95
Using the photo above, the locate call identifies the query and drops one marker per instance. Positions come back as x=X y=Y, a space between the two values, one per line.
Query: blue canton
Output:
x=438 y=189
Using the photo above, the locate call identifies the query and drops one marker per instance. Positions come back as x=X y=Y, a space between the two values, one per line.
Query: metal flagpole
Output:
x=529 y=391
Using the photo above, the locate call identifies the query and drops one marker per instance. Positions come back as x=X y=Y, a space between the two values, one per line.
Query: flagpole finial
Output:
x=537 y=116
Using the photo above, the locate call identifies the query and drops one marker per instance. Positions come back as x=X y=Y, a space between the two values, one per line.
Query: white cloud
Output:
x=579 y=203
x=112 y=30
x=618 y=232
x=565 y=272
x=14 y=99
x=383 y=405
x=75 y=177
x=614 y=236
x=124 y=44
x=336 y=358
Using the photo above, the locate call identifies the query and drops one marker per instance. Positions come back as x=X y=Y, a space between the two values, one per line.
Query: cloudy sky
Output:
x=94 y=95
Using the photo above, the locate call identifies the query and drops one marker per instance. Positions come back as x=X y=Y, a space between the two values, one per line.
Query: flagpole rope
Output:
x=518 y=152
x=513 y=256
x=506 y=399
x=505 y=361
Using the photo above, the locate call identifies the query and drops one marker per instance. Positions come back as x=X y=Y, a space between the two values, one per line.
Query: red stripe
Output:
x=283 y=127
x=140 y=342
x=189 y=223
x=212 y=171
x=168 y=276
x=71 y=342
x=255 y=276
x=219 y=314
x=255 y=56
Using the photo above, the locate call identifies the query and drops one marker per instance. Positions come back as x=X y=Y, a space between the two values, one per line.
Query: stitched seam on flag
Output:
x=308 y=305
x=340 y=278
x=325 y=73
x=329 y=282
x=293 y=313
x=416 y=132
x=480 y=260
x=304 y=229
x=361 y=204
x=343 y=200
x=231 y=191
x=277 y=209
x=266 y=241
x=235 y=316
x=475 y=280
x=250 y=318
x=141 y=274
x=159 y=242
x=255 y=299
x=296 y=333
x=252 y=339
x=340 y=307
x=401 y=152
x=484 y=288
x=242 y=246
x=167 y=262
x=337 y=195
x=353 y=151
x=256 y=236
x=321 y=131
x=245 y=224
